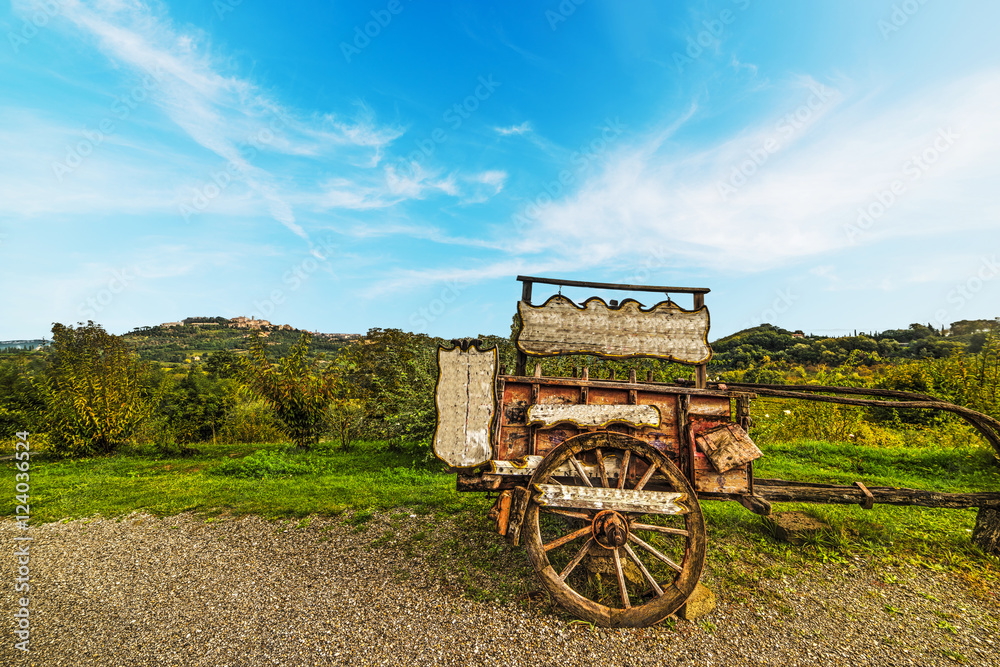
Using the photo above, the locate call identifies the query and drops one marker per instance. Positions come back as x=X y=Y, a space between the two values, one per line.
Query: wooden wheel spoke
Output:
x=642 y=568
x=660 y=529
x=576 y=560
x=597 y=516
x=621 y=579
x=656 y=553
x=623 y=468
x=645 y=478
x=567 y=513
x=569 y=537
x=600 y=467
x=580 y=471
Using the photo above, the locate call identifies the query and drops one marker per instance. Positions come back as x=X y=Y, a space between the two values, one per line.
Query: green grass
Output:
x=278 y=483
x=266 y=480
x=954 y=469
x=743 y=550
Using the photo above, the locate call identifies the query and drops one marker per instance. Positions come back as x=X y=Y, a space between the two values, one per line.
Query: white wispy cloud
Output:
x=792 y=186
x=405 y=281
x=514 y=129
x=423 y=232
x=230 y=116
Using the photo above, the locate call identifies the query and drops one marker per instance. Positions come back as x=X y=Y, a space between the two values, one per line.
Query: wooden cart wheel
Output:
x=652 y=543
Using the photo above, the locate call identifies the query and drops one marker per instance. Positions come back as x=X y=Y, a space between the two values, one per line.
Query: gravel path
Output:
x=180 y=591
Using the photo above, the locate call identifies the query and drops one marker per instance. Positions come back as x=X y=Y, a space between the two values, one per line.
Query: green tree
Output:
x=22 y=402
x=196 y=406
x=393 y=373
x=346 y=418
x=222 y=363
x=97 y=392
x=296 y=389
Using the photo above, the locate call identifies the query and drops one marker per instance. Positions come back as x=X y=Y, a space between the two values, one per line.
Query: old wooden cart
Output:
x=602 y=479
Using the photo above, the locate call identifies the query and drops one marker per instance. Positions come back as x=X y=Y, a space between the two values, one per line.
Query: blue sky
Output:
x=828 y=166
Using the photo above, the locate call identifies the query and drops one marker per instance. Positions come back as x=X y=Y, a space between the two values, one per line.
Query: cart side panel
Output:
x=710 y=406
x=558 y=395
x=707 y=412
x=708 y=480
x=667 y=403
x=601 y=396
x=517 y=439
x=548 y=439
x=513 y=443
x=515 y=402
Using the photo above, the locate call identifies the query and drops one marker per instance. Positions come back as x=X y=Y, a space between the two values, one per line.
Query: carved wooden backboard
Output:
x=465 y=400
x=663 y=331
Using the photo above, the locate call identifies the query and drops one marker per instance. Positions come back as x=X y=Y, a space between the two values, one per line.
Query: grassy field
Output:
x=278 y=483
x=268 y=480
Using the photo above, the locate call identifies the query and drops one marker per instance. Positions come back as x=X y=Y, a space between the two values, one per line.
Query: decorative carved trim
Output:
x=662 y=331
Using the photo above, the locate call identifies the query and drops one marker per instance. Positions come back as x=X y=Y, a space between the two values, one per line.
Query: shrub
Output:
x=252 y=420
x=296 y=390
x=97 y=393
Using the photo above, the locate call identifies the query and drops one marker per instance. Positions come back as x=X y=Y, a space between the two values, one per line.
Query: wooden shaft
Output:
x=701 y=370
x=776 y=490
x=522 y=358
x=614 y=286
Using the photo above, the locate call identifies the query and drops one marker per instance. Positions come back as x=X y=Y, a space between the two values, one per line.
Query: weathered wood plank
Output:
x=549 y=439
x=662 y=289
x=709 y=406
x=653 y=387
x=727 y=446
x=623 y=500
x=708 y=480
x=594 y=415
x=514 y=442
x=986 y=534
x=663 y=331
x=515 y=518
x=500 y=512
x=558 y=394
x=527 y=466
x=782 y=491
x=465 y=403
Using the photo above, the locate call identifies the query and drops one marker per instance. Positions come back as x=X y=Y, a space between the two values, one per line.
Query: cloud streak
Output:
x=800 y=199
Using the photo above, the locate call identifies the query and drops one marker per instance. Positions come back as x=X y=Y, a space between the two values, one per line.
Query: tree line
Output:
x=93 y=393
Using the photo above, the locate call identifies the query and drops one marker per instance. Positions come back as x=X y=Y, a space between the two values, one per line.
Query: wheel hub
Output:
x=610 y=529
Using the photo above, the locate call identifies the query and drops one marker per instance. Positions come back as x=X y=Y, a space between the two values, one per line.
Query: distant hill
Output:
x=193 y=337
x=767 y=342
